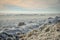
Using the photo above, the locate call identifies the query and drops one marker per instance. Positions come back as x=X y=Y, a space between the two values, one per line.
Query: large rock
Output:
x=10 y=35
x=21 y=23
x=53 y=20
x=57 y=19
x=6 y=36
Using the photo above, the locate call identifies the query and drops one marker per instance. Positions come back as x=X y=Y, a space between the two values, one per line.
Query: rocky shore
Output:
x=47 y=29
x=49 y=32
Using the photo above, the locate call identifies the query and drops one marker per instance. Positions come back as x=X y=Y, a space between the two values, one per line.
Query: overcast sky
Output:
x=29 y=6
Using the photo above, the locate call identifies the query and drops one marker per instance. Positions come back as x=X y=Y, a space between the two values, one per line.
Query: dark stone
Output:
x=21 y=23
x=9 y=39
x=47 y=30
x=58 y=30
x=59 y=36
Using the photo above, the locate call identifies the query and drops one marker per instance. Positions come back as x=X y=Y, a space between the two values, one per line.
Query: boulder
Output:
x=21 y=23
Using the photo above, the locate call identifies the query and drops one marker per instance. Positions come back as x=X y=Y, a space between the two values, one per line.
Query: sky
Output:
x=29 y=6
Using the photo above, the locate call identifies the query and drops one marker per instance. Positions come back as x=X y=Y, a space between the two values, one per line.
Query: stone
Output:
x=21 y=23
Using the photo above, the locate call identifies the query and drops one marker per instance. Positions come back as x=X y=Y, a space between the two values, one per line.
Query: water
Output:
x=32 y=21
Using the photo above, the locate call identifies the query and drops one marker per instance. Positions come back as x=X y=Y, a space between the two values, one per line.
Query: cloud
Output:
x=31 y=3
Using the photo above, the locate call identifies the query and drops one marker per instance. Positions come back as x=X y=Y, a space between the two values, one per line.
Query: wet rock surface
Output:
x=6 y=36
